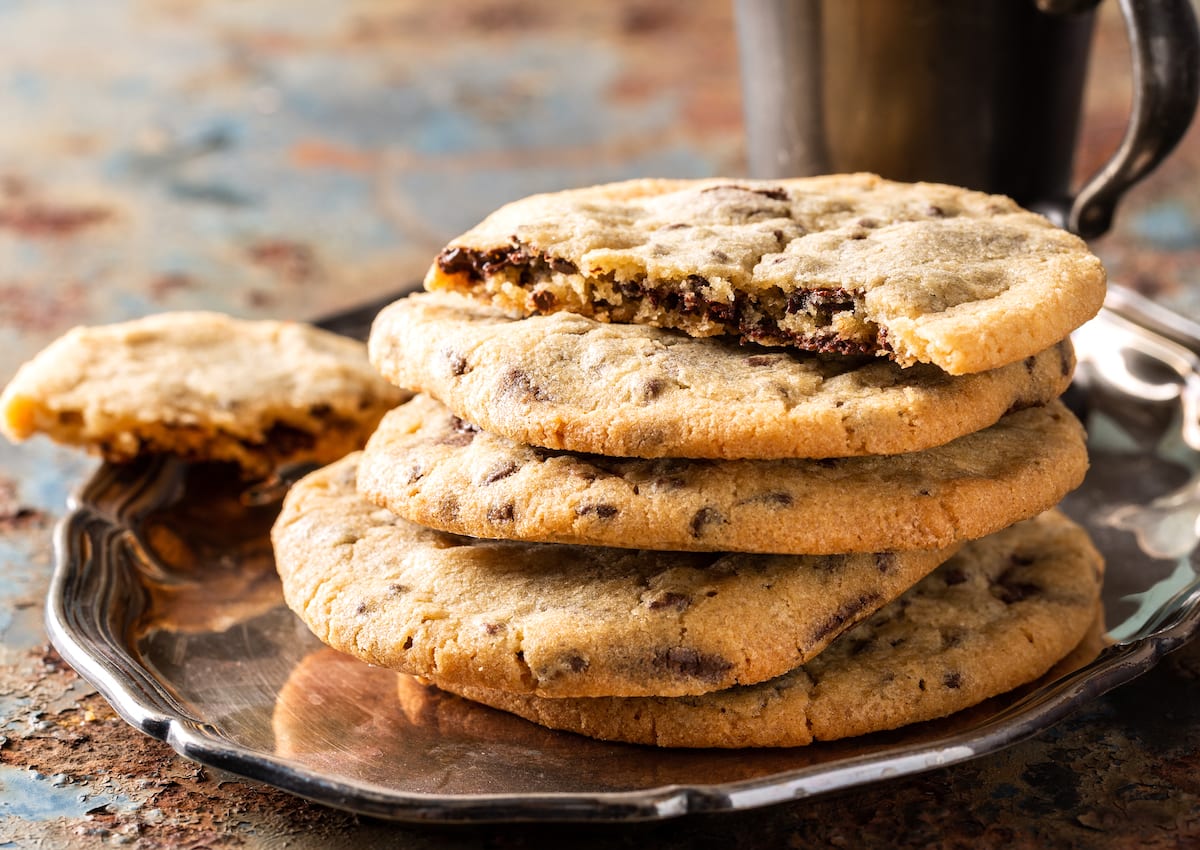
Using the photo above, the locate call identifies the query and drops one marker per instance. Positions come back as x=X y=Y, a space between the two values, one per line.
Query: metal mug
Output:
x=979 y=93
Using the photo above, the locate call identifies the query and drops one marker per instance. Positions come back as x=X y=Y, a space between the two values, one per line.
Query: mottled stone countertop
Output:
x=284 y=159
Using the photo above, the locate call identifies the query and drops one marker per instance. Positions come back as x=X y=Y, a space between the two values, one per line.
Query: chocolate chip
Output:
x=935 y=211
x=1008 y=586
x=502 y=513
x=461 y=433
x=397 y=589
x=843 y=617
x=652 y=388
x=921 y=684
x=448 y=507
x=495 y=261
x=415 y=473
x=703 y=517
x=885 y=562
x=494 y=628
x=408 y=642
x=576 y=663
x=498 y=472
x=601 y=511
x=1012 y=592
x=867 y=222
x=455 y=261
x=777 y=499
x=953 y=679
x=669 y=473
x=1030 y=363
x=544 y=299
x=953 y=576
x=319 y=410
x=677 y=226
x=477 y=264
x=517 y=383
x=1066 y=360
x=562 y=266
x=691 y=664
x=670 y=599
x=363 y=608
x=772 y=192
x=823 y=302
x=775 y=194
x=457 y=363
x=762 y=359
x=719 y=256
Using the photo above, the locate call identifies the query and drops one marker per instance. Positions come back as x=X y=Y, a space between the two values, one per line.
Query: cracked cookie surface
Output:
x=998 y=614
x=852 y=264
x=561 y=620
x=433 y=468
x=538 y=380
x=204 y=386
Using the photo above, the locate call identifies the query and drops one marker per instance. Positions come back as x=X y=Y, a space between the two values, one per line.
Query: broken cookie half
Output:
x=851 y=264
x=202 y=386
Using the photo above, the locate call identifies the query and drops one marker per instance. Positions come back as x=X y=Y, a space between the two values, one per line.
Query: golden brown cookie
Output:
x=998 y=614
x=428 y=466
x=565 y=381
x=561 y=620
x=853 y=264
x=203 y=386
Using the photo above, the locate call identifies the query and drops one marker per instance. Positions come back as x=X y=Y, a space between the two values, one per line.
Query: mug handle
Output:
x=1165 y=46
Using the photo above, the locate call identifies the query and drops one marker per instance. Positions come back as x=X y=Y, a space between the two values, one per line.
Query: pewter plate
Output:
x=165 y=598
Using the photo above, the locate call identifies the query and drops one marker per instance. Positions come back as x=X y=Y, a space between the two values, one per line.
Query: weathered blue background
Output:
x=284 y=159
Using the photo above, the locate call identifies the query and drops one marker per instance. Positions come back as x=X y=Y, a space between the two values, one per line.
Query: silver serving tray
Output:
x=164 y=597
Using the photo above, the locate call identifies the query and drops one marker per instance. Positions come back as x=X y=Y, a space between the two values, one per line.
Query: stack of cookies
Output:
x=719 y=463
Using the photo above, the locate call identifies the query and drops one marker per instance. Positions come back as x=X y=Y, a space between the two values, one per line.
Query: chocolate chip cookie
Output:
x=565 y=381
x=562 y=620
x=852 y=264
x=995 y=616
x=431 y=467
x=203 y=386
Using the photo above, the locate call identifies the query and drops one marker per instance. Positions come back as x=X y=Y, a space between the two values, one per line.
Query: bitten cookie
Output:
x=430 y=467
x=665 y=394
x=997 y=615
x=203 y=386
x=561 y=620
x=854 y=264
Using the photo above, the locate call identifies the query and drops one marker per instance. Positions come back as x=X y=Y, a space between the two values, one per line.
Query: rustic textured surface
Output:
x=271 y=161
